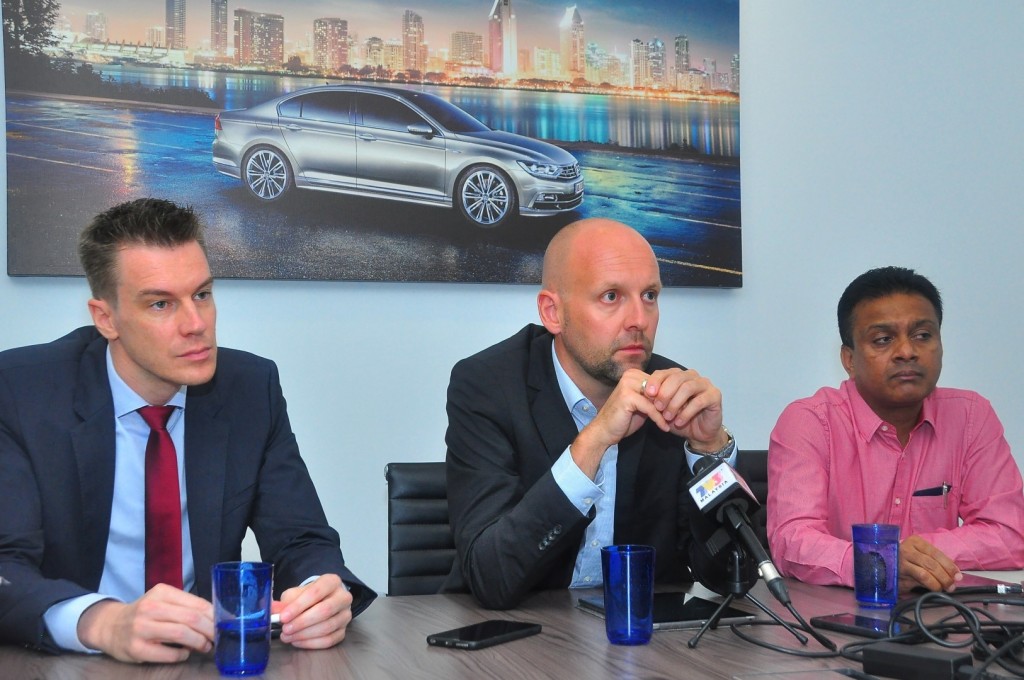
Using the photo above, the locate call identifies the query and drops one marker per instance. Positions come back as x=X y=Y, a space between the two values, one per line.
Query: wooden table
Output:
x=389 y=641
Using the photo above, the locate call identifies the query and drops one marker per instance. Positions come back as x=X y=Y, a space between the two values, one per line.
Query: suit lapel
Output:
x=206 y=443
x=553 y=420
x=94 y=448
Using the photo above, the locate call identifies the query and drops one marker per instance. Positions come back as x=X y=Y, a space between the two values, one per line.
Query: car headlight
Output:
x=542 y=170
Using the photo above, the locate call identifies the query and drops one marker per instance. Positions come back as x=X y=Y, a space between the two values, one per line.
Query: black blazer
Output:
x=514 y=529
x=242 y=469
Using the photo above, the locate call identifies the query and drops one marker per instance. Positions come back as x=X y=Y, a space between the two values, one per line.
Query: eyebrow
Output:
x=156 y=292
x=891 y=325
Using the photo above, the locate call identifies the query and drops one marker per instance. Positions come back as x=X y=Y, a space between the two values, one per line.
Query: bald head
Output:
x=599 y=300
x=584 y=244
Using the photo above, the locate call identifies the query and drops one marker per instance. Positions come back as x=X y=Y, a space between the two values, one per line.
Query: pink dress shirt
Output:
x=832 y=462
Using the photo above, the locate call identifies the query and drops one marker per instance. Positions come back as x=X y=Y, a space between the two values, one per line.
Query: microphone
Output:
x=720 y=492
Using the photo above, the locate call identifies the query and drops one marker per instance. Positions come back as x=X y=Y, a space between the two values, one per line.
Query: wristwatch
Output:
x=720 y=454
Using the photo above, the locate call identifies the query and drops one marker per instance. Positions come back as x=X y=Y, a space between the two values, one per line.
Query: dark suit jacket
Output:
x=514 y=529
x=242 y=468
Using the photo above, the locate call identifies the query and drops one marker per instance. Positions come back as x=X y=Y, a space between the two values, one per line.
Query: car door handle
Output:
x=366 y=137
x=293 y=127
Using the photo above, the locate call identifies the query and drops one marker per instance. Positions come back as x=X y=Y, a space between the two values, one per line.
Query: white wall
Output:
x=874 y=132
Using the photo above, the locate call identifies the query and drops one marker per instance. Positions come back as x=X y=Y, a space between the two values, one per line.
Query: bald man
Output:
x=573 y=435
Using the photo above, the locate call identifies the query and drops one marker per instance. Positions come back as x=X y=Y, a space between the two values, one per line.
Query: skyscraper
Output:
x=656 y=56
x=155 y=36
x=330 y=43
x=682 y=57
x=175 y=19
x=259 y=39
x=639 y=63
x=412 y=41
x=466 y=48
x=96 y=26
x=374 y=51
x=573 y=48
x=219 y=27
x=503 y=48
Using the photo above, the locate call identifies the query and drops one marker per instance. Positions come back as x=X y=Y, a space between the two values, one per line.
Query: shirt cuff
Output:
x=62 y=618
x=581 y=490
x=692 y=458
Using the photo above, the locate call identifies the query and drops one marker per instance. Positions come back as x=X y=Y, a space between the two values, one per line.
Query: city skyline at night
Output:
x=710 y=26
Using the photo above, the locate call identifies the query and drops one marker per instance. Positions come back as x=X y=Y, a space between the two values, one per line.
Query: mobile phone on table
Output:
x=484 y=634
x=856 y=624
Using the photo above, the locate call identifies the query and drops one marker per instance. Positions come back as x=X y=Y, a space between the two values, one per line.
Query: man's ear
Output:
x=846 y=356
x=549 y=307
x=102 y=318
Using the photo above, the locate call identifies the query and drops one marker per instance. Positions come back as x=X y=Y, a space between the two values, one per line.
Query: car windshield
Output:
x=448 y=115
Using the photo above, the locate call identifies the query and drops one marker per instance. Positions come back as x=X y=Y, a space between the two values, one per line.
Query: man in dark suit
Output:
x=74 y=451
x=571 y=436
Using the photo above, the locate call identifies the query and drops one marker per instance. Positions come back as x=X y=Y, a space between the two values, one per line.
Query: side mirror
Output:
x=421 y=130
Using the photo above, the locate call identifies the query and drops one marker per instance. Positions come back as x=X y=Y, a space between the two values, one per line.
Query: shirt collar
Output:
x=125 y=399
x=867 y=422
x=570 y=392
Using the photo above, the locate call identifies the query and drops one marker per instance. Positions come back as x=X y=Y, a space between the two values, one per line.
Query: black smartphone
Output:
x=485 y=634
x=856 y=624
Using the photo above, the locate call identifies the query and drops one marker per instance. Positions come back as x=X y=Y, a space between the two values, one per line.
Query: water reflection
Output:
x=708 y=127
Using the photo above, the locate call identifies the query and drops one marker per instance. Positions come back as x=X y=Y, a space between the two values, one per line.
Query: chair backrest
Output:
x=420 y=546
x=753 y=466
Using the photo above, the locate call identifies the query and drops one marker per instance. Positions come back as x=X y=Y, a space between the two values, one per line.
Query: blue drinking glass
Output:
x=242 y=593
x=628 y=593
x=876 y=561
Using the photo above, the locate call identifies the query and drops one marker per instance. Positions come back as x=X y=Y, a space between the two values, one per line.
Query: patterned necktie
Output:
x=163 y=501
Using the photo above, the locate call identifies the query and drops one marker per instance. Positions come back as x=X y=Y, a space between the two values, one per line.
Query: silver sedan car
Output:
x=397 y=144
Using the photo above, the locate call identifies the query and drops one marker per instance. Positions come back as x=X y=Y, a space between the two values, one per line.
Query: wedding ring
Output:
x=643 y=387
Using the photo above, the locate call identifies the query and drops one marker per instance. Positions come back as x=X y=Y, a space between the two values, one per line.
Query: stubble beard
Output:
x=605 y=369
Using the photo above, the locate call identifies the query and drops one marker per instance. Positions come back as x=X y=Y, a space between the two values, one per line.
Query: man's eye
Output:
x=651 y=295
x=610 y=296
x=204 y=295
x=159 y=304
x=883 y=340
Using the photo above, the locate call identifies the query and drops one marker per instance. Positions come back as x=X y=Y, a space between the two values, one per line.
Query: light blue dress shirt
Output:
x=124 y=567
x=599 y=493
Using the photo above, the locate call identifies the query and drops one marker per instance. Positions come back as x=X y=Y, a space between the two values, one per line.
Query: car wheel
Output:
x=486 y=196
x=266 y=173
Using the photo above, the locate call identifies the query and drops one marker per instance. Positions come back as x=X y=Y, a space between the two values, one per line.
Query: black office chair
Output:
x=753 y=467
x=420 y=546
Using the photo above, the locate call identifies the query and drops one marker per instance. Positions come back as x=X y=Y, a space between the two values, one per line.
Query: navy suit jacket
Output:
x=514 y=529
x=242 y=469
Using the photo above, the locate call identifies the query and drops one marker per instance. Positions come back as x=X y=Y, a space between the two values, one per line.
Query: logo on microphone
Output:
x=707 y=490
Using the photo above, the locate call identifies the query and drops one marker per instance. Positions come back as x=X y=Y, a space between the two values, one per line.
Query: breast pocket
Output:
x=928 y=513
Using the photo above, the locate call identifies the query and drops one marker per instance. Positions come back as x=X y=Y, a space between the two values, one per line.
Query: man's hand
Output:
x=626 y=409
x=165 y=625
x=922 y=564
x=690 y=406
x=314 y=616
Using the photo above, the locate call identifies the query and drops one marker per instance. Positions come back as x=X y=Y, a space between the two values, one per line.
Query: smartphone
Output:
x=485 y=634
x=856 y=624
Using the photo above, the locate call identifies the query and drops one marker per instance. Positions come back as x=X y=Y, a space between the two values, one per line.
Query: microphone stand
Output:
x=738 y=585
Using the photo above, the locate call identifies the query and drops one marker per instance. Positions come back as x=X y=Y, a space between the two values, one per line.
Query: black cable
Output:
x=794 y=651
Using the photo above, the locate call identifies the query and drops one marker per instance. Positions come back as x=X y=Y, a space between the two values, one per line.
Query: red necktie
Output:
x=163 y=501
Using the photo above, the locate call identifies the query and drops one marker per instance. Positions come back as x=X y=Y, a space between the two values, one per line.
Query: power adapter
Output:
x=894 y=660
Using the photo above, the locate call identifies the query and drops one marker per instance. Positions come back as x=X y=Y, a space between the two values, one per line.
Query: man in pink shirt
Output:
x=889 y=446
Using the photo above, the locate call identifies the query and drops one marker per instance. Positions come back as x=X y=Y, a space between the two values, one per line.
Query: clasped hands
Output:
x=679 y=401
x=167 y=624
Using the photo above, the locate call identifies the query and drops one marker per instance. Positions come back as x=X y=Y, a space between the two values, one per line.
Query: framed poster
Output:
x=444 y=142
